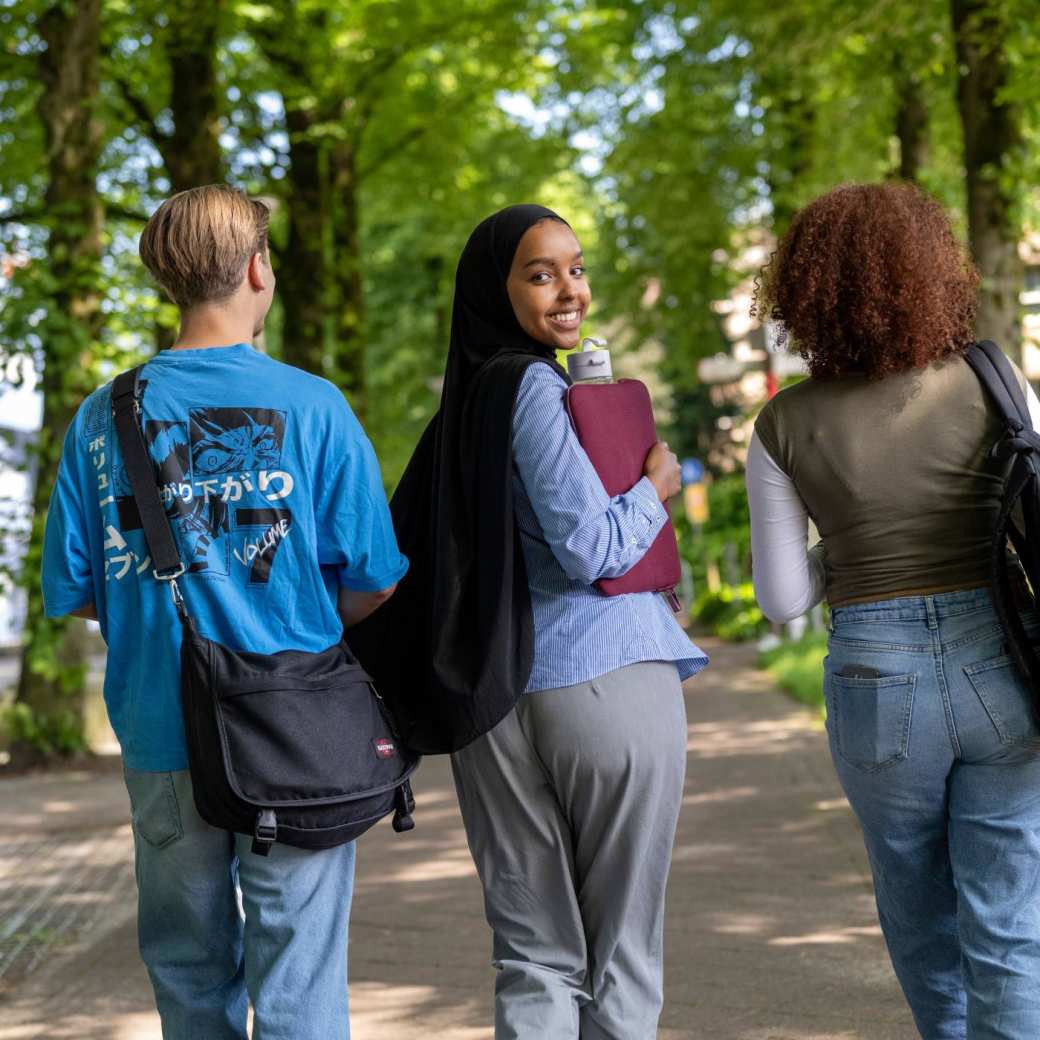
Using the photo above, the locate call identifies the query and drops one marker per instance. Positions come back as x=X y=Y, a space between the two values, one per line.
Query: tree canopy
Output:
x=671 y=133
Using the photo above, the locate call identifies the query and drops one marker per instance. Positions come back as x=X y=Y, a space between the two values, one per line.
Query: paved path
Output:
x=771 y=928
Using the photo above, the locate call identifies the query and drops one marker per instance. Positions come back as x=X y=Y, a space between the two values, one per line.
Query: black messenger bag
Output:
x=1015 y=583
x=294 y=747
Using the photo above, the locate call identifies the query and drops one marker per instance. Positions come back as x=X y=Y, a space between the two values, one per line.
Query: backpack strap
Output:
x=166 y=559
x=1020 y=505
x=994 y=371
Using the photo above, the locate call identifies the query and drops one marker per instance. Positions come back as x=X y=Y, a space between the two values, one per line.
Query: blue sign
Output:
x=692 y=471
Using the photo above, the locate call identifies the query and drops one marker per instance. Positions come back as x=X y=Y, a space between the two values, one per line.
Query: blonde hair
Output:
x=198 y=242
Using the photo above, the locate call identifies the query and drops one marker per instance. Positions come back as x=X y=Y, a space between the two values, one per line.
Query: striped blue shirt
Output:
x=572 y=534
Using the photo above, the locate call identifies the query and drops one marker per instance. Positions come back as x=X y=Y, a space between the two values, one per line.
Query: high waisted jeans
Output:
x=940 y=759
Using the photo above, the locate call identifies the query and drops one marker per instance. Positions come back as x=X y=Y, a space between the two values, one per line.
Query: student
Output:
x=887 y=447
x=571 y=801
x=242 y=446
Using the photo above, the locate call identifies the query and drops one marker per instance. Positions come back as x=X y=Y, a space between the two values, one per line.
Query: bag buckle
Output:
x=172 y=576
x=404 y=806
x=175 y=592
x=265 y=833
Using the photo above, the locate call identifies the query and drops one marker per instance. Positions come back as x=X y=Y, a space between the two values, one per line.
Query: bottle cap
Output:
x=590 y=364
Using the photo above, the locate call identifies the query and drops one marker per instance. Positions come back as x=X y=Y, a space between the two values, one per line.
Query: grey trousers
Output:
x=570 y=806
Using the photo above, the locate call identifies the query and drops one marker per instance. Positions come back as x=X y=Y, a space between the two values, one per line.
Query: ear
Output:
x=258 y=272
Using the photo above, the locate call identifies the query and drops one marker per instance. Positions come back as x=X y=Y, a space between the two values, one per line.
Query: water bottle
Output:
x=592 y=363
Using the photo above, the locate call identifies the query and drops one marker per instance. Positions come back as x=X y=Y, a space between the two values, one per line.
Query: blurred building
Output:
x=20 y=408
x=746 y=375
x=1029 y=250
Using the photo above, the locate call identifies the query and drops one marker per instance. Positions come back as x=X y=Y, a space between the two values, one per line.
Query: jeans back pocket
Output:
x=1007 y=700
x=871 y=718
x=155 y=811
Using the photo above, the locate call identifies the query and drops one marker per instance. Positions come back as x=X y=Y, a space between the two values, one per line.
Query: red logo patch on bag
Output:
x=385 y=748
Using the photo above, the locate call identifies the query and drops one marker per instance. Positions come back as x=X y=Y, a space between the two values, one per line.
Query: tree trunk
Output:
x=191 y=153
x=992 y=134
x=303 y=271
x=911 y=130
x=306 y=281
x=349 y=348
x=49 y=700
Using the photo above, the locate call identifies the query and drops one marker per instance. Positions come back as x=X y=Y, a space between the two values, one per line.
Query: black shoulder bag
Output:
x=293 y=747
x=1019 y=518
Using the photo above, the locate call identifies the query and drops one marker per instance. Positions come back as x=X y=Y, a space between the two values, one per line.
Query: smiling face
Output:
x=547 y=285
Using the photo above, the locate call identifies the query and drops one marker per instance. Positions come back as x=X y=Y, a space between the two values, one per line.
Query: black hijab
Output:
x=452 y=651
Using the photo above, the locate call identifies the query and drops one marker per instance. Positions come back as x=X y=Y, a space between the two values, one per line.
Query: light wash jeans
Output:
x=940 y=759
x=289 y=955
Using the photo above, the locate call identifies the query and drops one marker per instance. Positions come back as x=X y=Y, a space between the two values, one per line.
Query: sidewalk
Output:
x=771 y=928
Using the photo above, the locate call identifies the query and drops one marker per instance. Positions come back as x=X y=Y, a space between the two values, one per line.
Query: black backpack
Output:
x=1019 y=519
x=294 y=747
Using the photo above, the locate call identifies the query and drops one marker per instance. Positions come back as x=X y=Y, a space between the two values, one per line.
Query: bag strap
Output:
x=995 y=373
x=998 y=377
x=166 y=559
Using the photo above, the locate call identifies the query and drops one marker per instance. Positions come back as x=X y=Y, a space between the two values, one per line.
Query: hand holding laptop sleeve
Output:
x=615 y=424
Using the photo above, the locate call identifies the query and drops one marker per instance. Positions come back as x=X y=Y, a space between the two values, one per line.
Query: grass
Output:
x=798 y=668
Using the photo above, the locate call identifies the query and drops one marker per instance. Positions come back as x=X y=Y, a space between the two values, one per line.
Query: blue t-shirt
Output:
x=275 y=497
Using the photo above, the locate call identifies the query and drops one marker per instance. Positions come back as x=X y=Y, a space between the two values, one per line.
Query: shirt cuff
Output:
x=372 y=582
x=61 y=601
x=651 y=513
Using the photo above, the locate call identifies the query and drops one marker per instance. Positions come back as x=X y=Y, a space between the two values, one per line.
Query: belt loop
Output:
x=933 y=617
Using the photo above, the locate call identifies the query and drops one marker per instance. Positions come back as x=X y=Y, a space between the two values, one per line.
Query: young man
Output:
x=275 y=497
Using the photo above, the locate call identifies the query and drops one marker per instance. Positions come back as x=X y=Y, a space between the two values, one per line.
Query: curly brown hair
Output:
x=871 y=279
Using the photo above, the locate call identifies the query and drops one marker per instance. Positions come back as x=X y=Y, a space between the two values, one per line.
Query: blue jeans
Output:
x=940 y=760
x=288 y=956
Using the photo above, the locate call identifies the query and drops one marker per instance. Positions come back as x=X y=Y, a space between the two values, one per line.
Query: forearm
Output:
x=88 y=613
x=610 y=543
x=591 y=534
x=354 y=606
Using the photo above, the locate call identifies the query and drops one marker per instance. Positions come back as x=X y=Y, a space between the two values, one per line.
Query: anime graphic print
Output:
x=219 y=477
x=227 y=439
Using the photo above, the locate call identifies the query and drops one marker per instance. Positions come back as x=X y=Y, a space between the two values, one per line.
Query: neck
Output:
x=205 y=326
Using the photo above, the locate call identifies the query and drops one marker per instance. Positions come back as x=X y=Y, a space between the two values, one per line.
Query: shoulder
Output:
x=772 y=411
x=772 y=421
x=295 y=380
x=539 y=398
x=541 y=383
x=93 y=418
x=1019 y=374
x=318 y=398
x=796 y=395
x=93 y=414
x=801 y=396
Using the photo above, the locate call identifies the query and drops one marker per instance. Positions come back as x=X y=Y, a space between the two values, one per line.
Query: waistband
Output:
x=916 y=608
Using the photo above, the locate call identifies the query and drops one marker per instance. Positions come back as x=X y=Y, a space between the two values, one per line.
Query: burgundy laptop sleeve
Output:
x=615 y=424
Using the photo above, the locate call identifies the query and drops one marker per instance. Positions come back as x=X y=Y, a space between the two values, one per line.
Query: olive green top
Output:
x=895 y=475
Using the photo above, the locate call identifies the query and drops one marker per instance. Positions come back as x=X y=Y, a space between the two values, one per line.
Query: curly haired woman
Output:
x=886 y=447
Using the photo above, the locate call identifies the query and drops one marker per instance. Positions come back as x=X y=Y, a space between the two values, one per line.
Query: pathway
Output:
x=771 y=929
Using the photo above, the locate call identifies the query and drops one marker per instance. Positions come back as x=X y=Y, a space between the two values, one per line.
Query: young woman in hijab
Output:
x=563 y=706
